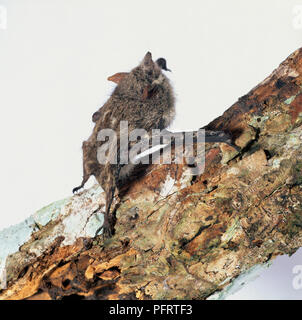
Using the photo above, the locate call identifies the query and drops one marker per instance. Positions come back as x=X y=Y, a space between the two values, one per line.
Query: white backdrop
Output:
x=55 y=57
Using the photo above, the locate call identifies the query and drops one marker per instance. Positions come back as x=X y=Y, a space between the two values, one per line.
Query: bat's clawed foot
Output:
x=108 y=230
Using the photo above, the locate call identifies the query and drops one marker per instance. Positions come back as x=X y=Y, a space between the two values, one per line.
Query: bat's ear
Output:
x=118 y=77
x=147 y=62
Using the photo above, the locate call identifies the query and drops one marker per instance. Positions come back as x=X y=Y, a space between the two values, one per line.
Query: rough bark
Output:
x=178 y=236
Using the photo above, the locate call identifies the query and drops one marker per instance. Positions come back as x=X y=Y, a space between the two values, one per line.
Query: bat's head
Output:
x=146 y=76
x=152 y=70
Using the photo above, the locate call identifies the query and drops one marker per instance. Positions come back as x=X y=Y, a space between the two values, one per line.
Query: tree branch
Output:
x=178 y=236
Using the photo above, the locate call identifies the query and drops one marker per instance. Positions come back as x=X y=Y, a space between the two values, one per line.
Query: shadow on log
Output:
x=180 y=236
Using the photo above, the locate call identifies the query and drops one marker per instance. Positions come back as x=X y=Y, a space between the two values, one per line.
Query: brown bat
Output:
x=144 y=98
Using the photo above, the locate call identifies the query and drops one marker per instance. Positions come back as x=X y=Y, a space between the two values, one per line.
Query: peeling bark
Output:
x=178 y=236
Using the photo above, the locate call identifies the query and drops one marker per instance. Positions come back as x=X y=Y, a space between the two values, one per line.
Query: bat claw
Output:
x=107 y=231
x=107 y=234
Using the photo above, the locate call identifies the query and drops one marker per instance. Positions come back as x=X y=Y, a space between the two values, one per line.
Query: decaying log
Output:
x=177 y=236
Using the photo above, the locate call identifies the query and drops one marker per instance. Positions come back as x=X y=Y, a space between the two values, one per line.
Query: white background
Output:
x=55 y=57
